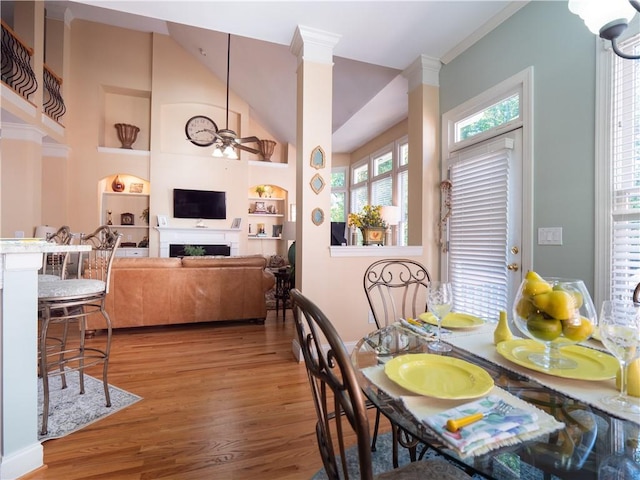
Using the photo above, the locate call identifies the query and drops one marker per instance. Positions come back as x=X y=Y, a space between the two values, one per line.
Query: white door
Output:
x=482 y=254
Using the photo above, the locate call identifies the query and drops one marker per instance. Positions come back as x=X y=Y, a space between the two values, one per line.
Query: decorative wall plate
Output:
x=317 y=158
x=317 y=216
x=317 y=183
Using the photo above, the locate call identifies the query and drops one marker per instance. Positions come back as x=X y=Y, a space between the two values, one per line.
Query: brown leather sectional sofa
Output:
x=164 y=291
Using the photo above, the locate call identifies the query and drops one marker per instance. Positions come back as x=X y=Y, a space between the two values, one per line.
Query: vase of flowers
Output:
x=370 y=223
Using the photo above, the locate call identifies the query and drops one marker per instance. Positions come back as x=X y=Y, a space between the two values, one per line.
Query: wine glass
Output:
x=439 y=303
x=620 y=333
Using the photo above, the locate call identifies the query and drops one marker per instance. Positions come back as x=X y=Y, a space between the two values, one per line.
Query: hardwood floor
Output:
x=219 y=402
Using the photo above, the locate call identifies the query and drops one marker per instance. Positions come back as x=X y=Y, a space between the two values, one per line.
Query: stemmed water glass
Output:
x=619 y=327
x=439 y=303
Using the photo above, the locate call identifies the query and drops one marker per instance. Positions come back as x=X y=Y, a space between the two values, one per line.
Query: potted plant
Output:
x=145 y=215
x=370 y=223
x=194 y=251
x=260 y=189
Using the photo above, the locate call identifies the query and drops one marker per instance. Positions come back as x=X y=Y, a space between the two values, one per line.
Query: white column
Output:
x=19 y=446
x=314 y=50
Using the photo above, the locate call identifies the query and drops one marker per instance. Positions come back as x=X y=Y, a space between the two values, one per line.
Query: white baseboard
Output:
x=20 y=463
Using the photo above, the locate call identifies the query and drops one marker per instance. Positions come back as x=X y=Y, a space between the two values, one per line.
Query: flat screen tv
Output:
x=199 y=204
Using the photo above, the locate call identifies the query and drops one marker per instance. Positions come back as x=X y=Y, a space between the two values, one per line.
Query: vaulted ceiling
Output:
x=379 y=39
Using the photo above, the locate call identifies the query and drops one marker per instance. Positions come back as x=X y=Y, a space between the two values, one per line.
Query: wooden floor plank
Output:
x=219 y=402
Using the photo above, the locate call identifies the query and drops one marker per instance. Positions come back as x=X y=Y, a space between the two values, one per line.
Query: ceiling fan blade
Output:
x=247 y=140
x=246 y=149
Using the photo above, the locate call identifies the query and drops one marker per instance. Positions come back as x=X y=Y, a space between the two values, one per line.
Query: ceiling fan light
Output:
x=217 y=152
x=597 y=14
x=230 y=152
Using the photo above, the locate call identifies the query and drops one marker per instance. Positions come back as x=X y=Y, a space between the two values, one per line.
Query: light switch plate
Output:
x=550 y=236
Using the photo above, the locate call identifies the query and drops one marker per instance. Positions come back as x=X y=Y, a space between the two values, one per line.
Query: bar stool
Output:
x=54 y=265
x=68 y=301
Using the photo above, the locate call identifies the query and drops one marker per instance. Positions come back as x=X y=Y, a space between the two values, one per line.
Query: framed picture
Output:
x=162 y=221
x=260 y=207
x=136 y=187
x=276 y=231
x=317 y=158
x=236 y=222
x=317 y=183
x=317 y=216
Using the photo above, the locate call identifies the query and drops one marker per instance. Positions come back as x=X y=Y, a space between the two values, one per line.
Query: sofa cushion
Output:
x=146 y=262
x=224 y=262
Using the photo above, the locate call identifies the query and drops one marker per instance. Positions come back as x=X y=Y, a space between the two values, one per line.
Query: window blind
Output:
x=477 y=233
x=625 y=173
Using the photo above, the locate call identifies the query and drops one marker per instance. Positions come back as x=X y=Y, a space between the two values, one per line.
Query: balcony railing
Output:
x=53 y=104
x=17 y=71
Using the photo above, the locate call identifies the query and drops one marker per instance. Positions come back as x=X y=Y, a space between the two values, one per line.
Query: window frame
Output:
x=344 y=190
x=395 y=148
x=603 y=162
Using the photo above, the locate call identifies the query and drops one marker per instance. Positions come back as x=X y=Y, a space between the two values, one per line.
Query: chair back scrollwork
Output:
x=396 y=288
x=96 y=264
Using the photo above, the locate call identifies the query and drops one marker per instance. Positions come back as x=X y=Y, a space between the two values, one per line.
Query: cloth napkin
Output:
x=425 y=330
x=494 y=429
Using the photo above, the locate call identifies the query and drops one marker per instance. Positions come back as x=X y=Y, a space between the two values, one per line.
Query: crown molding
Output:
x=423 y=71
x=493 y=23
x=313 y=45
x=21 y=131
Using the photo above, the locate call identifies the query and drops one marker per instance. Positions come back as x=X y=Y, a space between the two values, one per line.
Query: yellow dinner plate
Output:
x=592 y=364
x=438 y=376
x=453 y=320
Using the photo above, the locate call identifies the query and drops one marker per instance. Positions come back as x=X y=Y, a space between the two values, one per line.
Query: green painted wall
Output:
x=545 y=35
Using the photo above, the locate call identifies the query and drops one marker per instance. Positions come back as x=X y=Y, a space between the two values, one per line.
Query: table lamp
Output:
x=391 y=216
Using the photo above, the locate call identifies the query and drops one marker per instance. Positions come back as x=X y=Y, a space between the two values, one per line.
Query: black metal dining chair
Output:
x=396 y=288
x=340 y=403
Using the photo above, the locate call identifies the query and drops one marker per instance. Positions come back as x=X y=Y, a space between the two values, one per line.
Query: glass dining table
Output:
x=590 y=436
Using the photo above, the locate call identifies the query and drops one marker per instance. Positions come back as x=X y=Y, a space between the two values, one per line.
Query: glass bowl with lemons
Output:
x=556 y=312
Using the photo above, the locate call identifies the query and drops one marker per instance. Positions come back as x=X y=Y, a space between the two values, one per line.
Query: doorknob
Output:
x=514 y=267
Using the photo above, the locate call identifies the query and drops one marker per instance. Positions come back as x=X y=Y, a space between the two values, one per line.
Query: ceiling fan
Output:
x=227 y=140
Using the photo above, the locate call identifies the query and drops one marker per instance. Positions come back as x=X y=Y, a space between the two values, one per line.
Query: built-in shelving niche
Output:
x=125 y=105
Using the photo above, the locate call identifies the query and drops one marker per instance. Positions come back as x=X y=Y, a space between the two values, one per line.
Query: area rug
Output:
x=69 y=411
x=381 y=459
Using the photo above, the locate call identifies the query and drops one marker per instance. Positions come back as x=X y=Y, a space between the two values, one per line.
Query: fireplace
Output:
x=203 y=237
x=177 y=250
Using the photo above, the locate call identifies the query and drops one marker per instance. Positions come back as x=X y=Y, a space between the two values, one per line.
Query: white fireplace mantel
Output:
x=198 y=236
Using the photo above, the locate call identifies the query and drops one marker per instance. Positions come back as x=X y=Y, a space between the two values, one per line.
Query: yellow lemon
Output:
x=534 y=284
x=558 y=304
x=577 y=296
x=577 y=331
x=633 y=378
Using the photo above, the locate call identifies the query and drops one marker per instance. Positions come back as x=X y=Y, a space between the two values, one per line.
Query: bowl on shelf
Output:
x=556 y=312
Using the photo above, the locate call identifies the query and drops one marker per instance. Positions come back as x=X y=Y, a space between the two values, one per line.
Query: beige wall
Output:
x=116 y=86
x=118 y=74
x=20 y=186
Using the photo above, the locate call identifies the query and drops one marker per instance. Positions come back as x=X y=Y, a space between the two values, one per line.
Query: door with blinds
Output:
x=483 y=242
